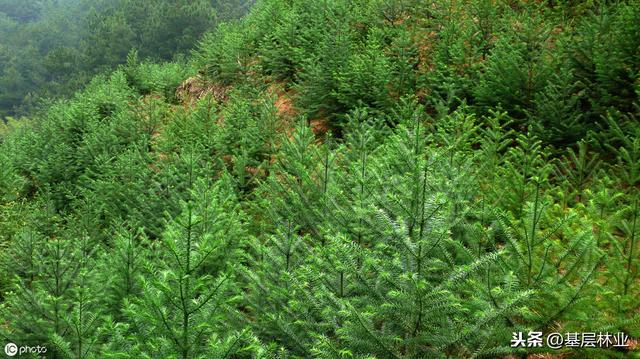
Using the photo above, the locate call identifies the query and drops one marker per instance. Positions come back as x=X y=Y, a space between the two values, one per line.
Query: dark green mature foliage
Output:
x=516 y=69
x=330 y=179
x=604 y=56
x=52 y=48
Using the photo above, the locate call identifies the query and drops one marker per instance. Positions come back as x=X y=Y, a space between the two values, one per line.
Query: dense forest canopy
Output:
x=51 y=48
x=321 y=179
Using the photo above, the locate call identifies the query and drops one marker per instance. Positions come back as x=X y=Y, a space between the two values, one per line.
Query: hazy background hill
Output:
x=49 y=48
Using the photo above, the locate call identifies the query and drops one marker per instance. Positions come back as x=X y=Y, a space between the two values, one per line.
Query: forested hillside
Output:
x=50 y=48
x=333 y=179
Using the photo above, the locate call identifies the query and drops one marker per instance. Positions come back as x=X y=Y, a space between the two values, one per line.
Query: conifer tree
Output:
x=345 y=294
x=187 y=288
x=625 y=268
x=556 y=117
x=54 y=301
x=364 y=78
x=603 y=54
x=526 y=170
x=576 y=170
x=121 y=267
x=547 y=255
x=405 y=60
x=124 y=188
x=295 y=189
x=79 y=340
x=10 y=182
x=516 y=70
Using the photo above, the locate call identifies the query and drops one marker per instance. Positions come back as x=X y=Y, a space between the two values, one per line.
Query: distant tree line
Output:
x=50 y=48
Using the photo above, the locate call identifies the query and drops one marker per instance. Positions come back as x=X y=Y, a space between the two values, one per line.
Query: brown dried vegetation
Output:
x=196 y=88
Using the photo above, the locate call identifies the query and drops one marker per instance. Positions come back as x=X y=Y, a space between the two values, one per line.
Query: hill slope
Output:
x=51 y=48
x=387 y=179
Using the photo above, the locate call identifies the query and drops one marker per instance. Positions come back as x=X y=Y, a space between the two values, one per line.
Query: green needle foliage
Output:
x=187 y=292
x=322 y=179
